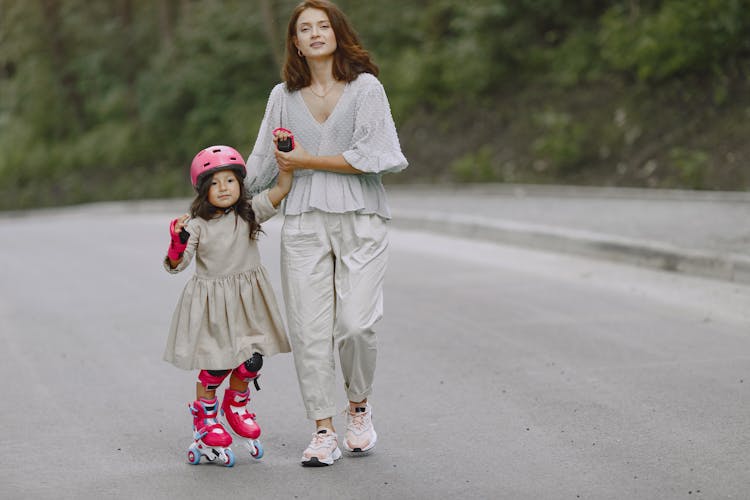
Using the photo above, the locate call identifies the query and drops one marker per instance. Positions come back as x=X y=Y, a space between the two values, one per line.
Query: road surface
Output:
x=503 y=373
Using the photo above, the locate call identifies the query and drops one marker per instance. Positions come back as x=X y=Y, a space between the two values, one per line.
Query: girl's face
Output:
x=224 y=190
x=315 y=36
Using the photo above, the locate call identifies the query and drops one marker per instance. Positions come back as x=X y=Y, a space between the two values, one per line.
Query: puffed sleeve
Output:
x=262 y=168
x=376 y=148
x=193 y=227
x=263 y=207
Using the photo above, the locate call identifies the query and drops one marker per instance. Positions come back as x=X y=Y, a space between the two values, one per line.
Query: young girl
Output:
x=334 y=242
x=227 y=317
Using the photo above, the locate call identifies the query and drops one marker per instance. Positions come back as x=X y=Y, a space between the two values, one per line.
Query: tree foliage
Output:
x=111 y=99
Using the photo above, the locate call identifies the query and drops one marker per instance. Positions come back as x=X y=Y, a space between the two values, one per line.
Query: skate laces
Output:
x=243 y=413
x=208 y=421
x=210 y=424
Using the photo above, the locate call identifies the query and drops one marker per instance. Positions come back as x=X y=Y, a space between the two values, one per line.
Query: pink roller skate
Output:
x=211 y=439
x=241 y=421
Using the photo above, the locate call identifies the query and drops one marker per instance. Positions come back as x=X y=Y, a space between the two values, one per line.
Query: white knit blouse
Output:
x=360 y=127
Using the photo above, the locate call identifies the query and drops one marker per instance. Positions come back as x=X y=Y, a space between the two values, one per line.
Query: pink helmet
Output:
x=216 y=158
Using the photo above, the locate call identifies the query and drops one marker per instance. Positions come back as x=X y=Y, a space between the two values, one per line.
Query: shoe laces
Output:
x=358 y=420
x=320 y=439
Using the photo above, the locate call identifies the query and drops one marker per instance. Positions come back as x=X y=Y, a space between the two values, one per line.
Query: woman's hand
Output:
x=300 y=158
x=294 y=159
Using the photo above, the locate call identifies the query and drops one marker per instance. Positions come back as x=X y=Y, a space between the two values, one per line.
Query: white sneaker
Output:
x=360 y=434
x=323 y=449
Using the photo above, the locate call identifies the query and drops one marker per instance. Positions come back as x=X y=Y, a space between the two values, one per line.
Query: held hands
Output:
x=177 y=239
x=286 y=149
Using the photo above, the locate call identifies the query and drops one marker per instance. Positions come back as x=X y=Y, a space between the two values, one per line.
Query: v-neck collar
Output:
x=333 y=111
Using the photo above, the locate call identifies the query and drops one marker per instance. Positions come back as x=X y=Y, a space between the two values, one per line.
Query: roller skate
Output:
x=241 y=421
x=211 y=439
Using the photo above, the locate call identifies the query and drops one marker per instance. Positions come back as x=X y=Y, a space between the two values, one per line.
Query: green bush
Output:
x=561 y=141
x=676 y=38
x=475 y=167
x=692 y=166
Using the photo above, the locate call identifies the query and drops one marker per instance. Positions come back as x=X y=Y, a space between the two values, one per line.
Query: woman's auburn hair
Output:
x=349 y=60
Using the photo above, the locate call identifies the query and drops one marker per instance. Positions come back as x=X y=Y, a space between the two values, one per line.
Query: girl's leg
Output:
x=211 y=438
x=236 y=398
x=208 y=382
x=237 y=384
x=203 y=393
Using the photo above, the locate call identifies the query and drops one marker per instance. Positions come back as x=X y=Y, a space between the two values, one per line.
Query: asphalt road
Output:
x=503 y=373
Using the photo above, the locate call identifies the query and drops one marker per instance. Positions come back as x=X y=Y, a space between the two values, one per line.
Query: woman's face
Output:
x=315 y=37
x=224 y=190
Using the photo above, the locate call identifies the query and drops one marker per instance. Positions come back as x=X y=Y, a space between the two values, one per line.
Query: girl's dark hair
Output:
x=349 y=60
x=203 y=209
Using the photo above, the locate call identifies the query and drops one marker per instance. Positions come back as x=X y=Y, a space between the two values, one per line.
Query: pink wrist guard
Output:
x=176 y=246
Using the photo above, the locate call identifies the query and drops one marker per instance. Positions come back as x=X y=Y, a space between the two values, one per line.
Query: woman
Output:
x=334 y=239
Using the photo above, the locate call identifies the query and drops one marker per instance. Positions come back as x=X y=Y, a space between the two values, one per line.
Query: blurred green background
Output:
x=111 y=99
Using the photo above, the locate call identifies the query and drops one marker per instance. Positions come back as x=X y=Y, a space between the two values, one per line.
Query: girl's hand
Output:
x=176 y=245
x=282 y=187
x=284 y=181
x=181 y=223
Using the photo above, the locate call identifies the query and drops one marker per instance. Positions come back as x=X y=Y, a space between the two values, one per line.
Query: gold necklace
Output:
x=333 y=84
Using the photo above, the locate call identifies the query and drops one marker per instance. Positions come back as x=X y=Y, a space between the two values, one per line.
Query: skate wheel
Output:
x=229 y=456
x=257 y=451
x=193 y=457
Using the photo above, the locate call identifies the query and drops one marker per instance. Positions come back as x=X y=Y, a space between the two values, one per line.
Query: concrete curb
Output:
x=570 y=191
x=731 y=267
x=728 y=267
x=174 y=206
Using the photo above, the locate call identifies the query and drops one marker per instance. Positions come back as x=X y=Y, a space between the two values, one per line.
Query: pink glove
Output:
x=176 y=244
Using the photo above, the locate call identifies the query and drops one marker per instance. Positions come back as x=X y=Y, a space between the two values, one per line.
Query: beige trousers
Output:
x=332 y=269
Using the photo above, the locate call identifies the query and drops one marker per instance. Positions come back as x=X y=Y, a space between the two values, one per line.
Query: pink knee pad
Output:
x=248 y=370
x=211 y=379
x=243 y=373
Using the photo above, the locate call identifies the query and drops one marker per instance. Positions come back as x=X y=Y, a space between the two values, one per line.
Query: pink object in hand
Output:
x=286 y=145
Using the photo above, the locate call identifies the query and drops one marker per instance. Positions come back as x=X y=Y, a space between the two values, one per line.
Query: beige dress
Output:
x=228 y=309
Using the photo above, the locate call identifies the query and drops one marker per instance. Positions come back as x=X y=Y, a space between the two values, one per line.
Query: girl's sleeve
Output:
x=262 y=207
x=262 y=168
x=375 y=145
x=192 y=244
